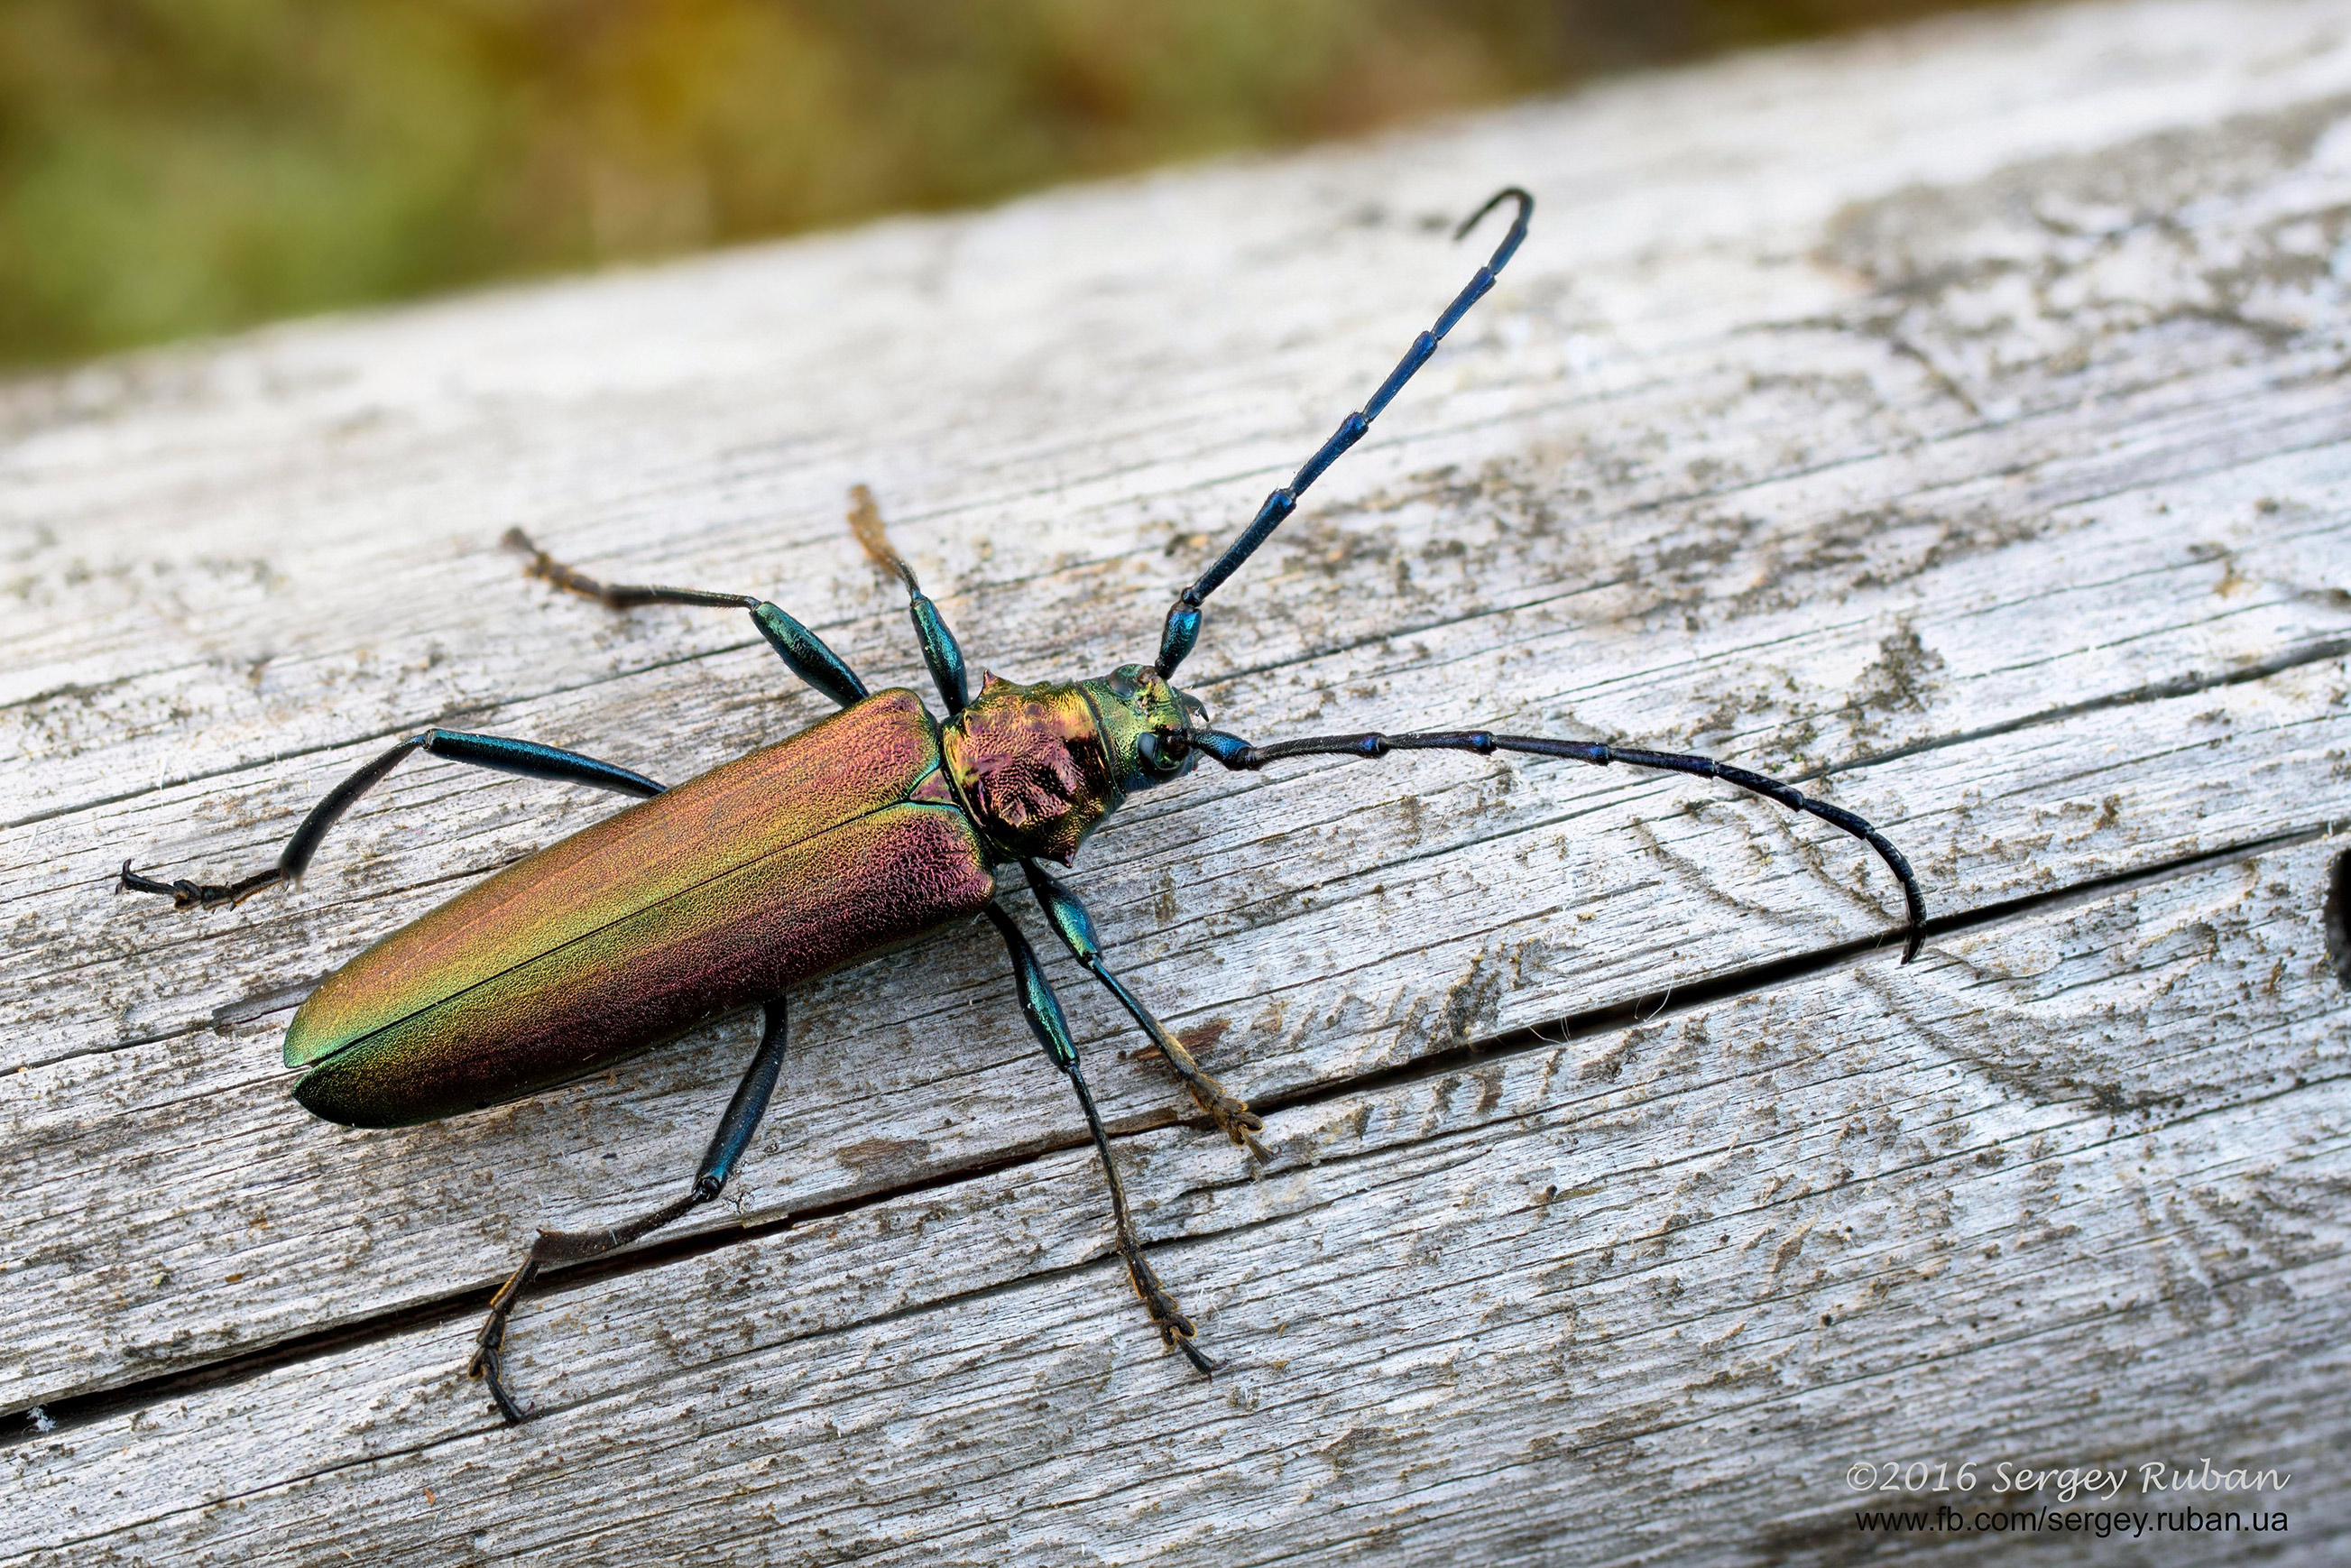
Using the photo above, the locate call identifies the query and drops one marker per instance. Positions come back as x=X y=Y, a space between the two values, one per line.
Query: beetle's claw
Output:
x=129 y=880
x=489 y=1367
x=1230 y=1112
x=487 y=1363
x=1176 y=1330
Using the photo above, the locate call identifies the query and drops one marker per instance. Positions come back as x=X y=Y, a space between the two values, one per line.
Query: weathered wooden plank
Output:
x=2069 y=1192
x=1349 y=955
x=1977 y=448
x=181 y=1104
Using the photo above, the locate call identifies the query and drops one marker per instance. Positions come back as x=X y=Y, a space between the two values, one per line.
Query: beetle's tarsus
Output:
x=187 y=894
x=547 y=568
x=874 y=536
x=617 y=595
x=734 y=1131
x=1229 y=1110
x=1176 y=1330
x=803 y=651
x=487 y=1363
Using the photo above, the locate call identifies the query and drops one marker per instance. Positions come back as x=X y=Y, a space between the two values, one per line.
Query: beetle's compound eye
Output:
x=1164 y=753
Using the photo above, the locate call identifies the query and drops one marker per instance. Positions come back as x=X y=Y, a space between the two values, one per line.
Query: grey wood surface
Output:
x=1952 y=421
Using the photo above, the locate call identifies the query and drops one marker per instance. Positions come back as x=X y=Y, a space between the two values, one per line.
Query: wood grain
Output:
x=1951 y=422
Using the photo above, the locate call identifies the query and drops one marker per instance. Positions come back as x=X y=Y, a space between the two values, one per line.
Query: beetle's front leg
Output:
x=940 y=651
x=726 y=1146
x=1230 y=1112
x=1043 y=1012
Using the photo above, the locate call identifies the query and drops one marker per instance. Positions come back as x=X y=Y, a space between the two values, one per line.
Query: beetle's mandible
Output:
x=872 y=828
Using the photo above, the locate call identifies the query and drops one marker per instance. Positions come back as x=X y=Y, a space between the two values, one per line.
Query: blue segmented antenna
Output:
x=1183 y=628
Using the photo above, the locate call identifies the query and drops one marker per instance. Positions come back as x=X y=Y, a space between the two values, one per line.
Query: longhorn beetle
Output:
x=867 y=830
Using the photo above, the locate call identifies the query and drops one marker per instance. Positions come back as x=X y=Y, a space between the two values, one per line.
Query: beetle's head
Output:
x=1146 y=725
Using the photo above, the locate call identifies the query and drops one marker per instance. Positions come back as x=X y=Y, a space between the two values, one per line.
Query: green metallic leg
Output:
x=1043 y=1010
x=799 y=648
x=940 y=651
x=526 y=758
x=1228 y=1112
x=726 y=1146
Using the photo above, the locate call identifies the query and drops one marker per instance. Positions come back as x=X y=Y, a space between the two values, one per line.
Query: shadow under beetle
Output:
x=862 y=833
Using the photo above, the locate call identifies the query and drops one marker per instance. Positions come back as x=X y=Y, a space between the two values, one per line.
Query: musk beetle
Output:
x=871 y=829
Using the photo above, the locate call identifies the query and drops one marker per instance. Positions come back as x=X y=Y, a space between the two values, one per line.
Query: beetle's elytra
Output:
x=867 y=830
x=839 y=842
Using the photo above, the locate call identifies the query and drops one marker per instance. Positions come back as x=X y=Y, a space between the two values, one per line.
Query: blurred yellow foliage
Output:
x=179 y=166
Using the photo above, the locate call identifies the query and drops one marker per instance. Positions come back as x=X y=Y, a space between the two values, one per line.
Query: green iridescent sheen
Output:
x=1028 y=762
x=1131 y=703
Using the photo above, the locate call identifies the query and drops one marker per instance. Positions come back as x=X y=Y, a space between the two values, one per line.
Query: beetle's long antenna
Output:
x=1183 y=628
x=940 y=651
x=1240 y=755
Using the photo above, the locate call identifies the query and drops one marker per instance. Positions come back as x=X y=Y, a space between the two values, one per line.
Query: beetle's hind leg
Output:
x=726 y=1146
x=1043 y=1012
x=495 y=752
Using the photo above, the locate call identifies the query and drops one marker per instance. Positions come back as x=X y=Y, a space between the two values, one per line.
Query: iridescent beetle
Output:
x=862 y=833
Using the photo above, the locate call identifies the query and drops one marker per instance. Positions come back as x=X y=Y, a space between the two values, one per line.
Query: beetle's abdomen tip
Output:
x=317 y=1093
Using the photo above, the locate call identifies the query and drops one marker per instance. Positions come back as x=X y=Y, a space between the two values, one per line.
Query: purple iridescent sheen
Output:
x=801 y=857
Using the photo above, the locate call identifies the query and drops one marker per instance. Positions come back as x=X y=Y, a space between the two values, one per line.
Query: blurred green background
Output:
x=170 y=167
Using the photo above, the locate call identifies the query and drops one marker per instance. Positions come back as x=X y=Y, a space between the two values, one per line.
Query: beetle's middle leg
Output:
x=1043 y=1012
x=498 y=753
x=726 y=1146
x=1227 y=1111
